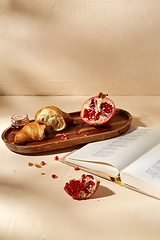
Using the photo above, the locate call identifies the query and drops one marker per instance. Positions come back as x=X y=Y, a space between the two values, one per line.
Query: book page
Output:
x=147 y=167
x=118 y=152
x=97 y=167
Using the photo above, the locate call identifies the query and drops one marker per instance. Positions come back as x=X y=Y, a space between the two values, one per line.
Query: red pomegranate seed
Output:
x=43 y=163
x=76 y=168
x=64 y=136
x=78 y=132
x=82 y=122
x=83 y=176
x=72 y=123
x=56 y=158
x=92 y=104
x=54 y=176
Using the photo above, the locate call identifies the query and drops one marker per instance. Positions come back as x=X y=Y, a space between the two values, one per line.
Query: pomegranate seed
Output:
x=64 y=136
x=56 y=158
x=83 y=176
x=43 y=163
x=54 y=176
x=72 y=123
x=90 y=184
x=76 y=168
x=92 y=104
x=82 y=122
x=78 y=132
x=90 y=176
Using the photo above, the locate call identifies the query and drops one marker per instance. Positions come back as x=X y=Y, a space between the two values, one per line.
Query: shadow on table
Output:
x=136 y=122
x=103 y=192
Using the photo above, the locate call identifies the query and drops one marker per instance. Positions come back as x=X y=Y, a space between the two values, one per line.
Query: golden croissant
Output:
x=31 y=132
x=53 y=117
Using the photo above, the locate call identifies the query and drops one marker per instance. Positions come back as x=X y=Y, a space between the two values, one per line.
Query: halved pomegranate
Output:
x=82 y=187
x=98 y=110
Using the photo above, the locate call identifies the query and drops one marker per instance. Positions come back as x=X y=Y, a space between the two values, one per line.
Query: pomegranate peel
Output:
x=98 y=110
x=82 y=187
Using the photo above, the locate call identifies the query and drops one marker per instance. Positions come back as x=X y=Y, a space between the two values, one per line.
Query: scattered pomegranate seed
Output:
x=72 y=123
x=54 y=176
x=85 y=135
x=78 y=132
x=64 y=136
x=42 y=163
x=56 y=158
x=82 y=122
x=76 y=168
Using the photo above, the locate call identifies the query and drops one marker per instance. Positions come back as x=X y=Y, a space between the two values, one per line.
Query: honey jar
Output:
x=18 y=121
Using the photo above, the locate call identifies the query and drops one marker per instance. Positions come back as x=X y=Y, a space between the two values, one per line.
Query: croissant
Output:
x=31 y=132
x=53 y=117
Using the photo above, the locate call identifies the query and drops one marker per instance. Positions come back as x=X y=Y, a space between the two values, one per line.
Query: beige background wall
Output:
x=79 y=47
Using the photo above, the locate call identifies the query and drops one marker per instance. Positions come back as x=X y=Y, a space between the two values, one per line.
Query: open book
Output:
x=132 y=159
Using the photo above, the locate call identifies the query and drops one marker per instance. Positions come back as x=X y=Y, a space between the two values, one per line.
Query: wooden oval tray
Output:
x=119 y=125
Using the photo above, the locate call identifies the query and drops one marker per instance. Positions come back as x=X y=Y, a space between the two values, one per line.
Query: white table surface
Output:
x=35 y=206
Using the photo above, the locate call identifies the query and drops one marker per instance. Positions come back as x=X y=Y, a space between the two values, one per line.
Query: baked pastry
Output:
x=31 y=132
x=53 y=117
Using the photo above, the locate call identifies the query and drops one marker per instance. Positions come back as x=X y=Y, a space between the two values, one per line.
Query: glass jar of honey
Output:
x=18 y=121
